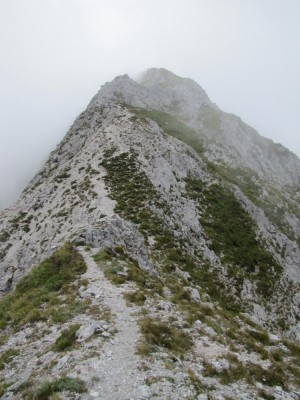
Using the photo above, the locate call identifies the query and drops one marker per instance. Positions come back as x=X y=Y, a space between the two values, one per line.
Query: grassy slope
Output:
x=36 y=296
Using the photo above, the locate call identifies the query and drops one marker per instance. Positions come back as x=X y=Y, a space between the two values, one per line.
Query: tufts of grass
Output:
x=3 y=339
x=294 y=365
x=138 y=297
x=41 y=287
x=112 y=264
x=67 y=339
x=195 y=381
x=173 y=127
x=252 y=340
x=294 y=348
x=47 y=389
x=4 y=236
x=3 y=387
x=103 y=255
x=159 y=334
x=275 y=375
x=260 y=336
x=7 y=357
x=72 y=307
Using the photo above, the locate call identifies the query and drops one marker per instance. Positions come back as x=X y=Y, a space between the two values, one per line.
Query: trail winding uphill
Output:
x=116 y=374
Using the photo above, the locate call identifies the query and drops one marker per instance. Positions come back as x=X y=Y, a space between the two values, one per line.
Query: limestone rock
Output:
x=86 y=331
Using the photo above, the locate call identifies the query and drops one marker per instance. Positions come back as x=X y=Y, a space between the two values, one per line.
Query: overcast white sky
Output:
x=55 y=54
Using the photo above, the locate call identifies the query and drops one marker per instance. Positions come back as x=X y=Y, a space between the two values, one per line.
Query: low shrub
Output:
x=7 y=357
x=138 y=297
x=160 y=334
x=59 y=385
x=260 y=336
x=67 y=338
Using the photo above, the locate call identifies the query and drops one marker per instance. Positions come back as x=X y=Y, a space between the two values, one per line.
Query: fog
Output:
x=55 y=55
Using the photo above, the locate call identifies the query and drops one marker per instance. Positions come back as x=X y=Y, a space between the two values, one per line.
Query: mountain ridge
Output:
x=147 y=177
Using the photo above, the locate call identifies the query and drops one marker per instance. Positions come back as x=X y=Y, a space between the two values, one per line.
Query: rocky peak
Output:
x=156 y=89
x=185 y=89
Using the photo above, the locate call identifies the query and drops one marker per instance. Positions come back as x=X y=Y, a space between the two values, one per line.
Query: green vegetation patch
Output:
x=233 y=236
x=67 y=339
x=129 y=186
x=173 y=127
x=3 y=387
x=294 y=364
x=159 y=334
x=47 y=388
x=272 y=202
x=4 y=236
x=249 y=372
x=7 y=357
x=138 y=297
x=36 y=295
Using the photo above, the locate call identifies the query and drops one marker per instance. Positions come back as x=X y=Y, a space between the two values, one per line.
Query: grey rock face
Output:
x=114 y=231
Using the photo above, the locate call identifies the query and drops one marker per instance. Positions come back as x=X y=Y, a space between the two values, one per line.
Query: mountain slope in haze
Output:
x=196 y=218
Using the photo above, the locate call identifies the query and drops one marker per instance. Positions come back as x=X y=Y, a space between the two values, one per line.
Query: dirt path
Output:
x=116 y=374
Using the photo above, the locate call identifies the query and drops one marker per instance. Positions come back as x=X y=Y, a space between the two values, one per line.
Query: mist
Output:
x=55 y=55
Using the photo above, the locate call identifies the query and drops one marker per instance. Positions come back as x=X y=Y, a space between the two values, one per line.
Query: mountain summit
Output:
x=155 y=254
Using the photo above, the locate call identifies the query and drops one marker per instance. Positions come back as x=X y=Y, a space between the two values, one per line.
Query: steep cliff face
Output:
x=206 y=208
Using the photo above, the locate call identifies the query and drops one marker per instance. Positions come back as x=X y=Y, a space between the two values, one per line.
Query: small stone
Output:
x=62 y=362
x=166 y=291
x=85 y=332
x=210 y=331
x=145 y=392
x=221 y=365
x=278 y=389
x=105 y=334
x=195 y=296
x=101 y=322
x=274 y=338
x=197 y=324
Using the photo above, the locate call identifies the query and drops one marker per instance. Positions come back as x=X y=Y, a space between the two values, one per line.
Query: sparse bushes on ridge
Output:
x=233 y=237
